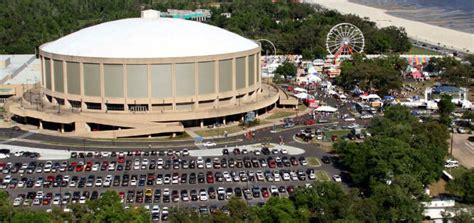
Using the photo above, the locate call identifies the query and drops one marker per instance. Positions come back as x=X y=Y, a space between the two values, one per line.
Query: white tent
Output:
x=298 y=89
x=326 y=109
x=302 y=95
x=370 y=97
x=312 y=70
x=314 y=78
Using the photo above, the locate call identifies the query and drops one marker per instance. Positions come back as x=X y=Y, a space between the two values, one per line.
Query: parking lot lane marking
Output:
x=469 y=147
x=19 y=137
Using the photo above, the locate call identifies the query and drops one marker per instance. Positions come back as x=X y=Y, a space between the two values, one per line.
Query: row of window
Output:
x=160 y=79
x=141 y=107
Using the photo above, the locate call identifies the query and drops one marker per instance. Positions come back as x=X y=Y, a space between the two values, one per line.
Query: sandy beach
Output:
x=448 y=38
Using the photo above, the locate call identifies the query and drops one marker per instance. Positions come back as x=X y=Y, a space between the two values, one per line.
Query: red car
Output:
x=310 y=122
x=265 y=193
x=122 y=196
x=271 y=163
x=121 y=160
x=210 y=178
x=79 y=168
x=290 y=189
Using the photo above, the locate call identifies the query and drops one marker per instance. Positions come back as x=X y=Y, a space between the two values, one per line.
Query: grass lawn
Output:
x=325 y=146
x=182 y=136
x=338 y=133
x=422 y=51
x=457 y=172
x=219 y=131
x=313 y=162
x=280 y=114
x=302 y=107
x=321 y=175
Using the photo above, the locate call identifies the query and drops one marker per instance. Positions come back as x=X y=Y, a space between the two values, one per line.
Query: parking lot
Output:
x=155 y=179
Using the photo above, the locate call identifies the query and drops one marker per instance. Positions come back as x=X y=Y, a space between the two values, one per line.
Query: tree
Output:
x=326 y=201
x=463 y=187
x=6 y=210
x=445 y=107
x=397 y=204
x=108 y=208
x=31 y=216
x=286 y=70
x=239 y=210
x=278 y=209
x=382 y=75
x=400 y=146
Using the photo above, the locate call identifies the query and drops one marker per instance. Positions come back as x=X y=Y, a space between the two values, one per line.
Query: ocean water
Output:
x=452 y=14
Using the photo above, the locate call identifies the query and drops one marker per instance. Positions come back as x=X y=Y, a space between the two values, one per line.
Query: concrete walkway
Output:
x=193 y=134
x=218 y=151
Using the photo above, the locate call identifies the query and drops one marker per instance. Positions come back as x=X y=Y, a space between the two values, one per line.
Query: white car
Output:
x=337 y=178
x=17 y=202
x=165 y=211
x=203 y=196
x=95 y=167
x=185 y=152
x=36 y=201
x=133 y=182
x=39 y=169
x=7 y=179
x=155 y=209
x=20 y=184
x=284 y=151
x=56 y=200
x=461 y=130
x=273 y=189
x=286 y=176
x=276 y=176
x=82 y=200
x=111 y=167
x=450 y=163
x=260 y=176
x=366 y=116
x=98 y=182
x=349 y=119
x=227 y=176
x=108 y=181
x=39 y=195
x=208 y=144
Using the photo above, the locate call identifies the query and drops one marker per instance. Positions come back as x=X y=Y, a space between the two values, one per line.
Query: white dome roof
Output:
x=149 y=38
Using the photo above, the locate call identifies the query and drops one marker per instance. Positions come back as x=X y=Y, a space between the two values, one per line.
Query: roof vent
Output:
x=150 y=14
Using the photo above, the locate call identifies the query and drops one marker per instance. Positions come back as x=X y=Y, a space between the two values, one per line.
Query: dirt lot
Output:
x=463 y=150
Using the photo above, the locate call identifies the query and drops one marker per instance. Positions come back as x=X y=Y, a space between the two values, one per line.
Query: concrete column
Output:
x=66 y=91
x=51 y=69
x=102 y=87
x=196 y=86
x=223 y=120
x=149 y=86
x=234 y=81
x=62 y=128
x=125 y=93
x=216 y=81
x=40 y=124
x=173 y=87
x=201 y=124
x=43 y=77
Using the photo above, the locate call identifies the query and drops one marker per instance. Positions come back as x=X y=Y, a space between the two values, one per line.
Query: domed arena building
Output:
x=143 y=77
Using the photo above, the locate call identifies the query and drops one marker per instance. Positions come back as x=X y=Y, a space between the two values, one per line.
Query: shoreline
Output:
x=435 y=35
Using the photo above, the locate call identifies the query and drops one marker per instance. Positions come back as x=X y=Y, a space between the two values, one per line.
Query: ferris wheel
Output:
x=344 y=39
